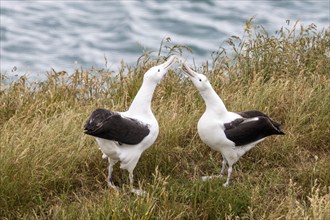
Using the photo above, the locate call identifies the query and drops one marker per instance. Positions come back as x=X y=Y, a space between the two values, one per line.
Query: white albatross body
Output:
x=232 y=134
x=128 y=154
x=124 y=136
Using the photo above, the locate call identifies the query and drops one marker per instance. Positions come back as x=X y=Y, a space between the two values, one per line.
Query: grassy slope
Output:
x=50 y=169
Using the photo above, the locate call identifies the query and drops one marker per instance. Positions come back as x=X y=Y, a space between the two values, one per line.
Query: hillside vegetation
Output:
x=51 y=170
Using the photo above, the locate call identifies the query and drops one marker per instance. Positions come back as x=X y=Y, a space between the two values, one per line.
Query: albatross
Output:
x=124 y=136
x=230 y=133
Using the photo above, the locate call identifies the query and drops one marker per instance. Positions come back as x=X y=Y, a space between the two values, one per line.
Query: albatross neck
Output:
x=142 y=101
x=213 y=102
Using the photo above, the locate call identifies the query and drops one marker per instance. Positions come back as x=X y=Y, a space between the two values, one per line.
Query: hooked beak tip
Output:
x=187 y=70
x=173 y=59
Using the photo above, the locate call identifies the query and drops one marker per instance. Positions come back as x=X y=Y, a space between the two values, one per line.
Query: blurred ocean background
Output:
x=39 y=35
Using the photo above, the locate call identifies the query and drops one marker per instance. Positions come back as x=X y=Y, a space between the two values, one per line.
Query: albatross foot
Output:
x=111 y=184
x=205 y=178
x=139 y=192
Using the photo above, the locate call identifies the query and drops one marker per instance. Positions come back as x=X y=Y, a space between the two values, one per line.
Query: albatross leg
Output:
x=222 y=171
x=131 y=179
x=138 y=192
x=230 y=170
x=110 y=169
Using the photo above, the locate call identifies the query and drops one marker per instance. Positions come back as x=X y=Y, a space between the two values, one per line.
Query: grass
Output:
x=51 y=170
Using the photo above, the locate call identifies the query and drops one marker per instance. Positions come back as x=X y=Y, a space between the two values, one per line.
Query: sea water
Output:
x=39 y=35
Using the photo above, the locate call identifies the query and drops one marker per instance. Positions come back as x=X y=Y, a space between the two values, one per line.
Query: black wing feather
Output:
x=254 y=113
x=112 y=126
x=243 y=131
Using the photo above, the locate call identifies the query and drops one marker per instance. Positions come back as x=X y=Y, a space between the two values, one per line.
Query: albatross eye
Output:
x=158 y=70
x=200 y=80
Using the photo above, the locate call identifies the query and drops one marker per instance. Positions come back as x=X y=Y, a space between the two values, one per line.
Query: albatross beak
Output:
x=188 y=71
x=173 y=59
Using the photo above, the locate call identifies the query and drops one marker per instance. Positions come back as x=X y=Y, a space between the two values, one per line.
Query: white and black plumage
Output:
x=112 y=126
x=230 y=133
x=123 y=136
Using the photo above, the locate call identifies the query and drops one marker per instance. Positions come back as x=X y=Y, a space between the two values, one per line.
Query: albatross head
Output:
x=199 y=80
x=156 y=73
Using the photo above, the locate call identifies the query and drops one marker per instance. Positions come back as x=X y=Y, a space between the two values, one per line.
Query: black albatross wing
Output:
x=244 y=131
x=254 y=113
x=112 y=126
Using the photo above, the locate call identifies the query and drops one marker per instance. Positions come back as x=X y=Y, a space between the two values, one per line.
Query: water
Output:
x=39 y=35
